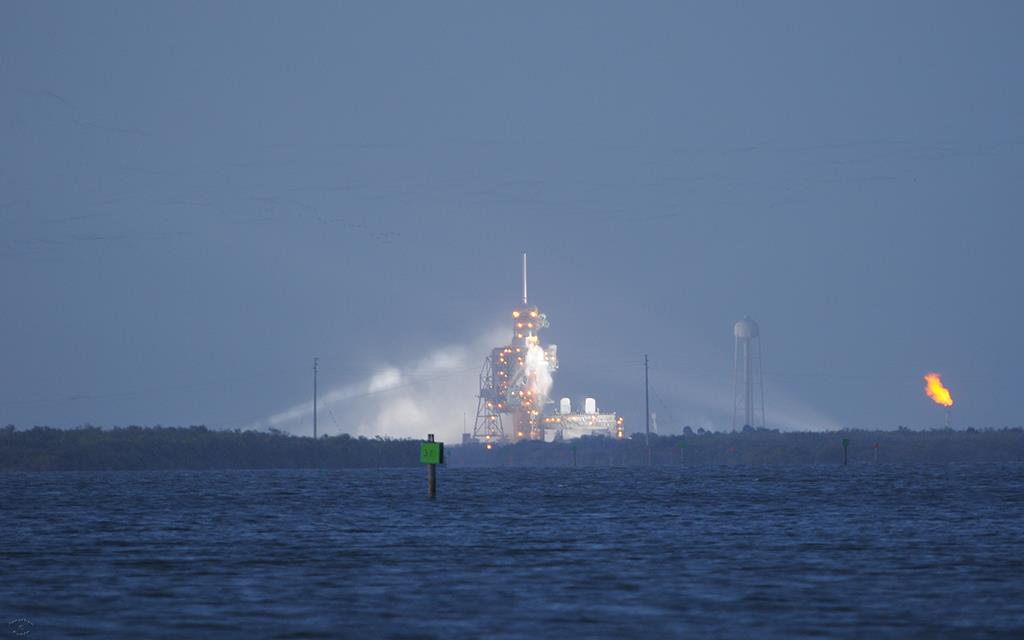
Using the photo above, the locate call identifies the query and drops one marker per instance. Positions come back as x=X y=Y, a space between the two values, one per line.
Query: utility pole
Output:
x=647 y=410
x=316 y=362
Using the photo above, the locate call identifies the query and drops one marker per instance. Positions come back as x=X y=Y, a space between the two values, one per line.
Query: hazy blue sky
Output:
x=197 y=198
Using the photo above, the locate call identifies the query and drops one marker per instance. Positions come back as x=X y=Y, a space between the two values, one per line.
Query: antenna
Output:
x=647 y=411
x=316 y=362
x=524 y=280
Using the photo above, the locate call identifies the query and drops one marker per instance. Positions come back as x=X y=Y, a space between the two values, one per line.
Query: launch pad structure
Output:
x=511 y=397
x=515 y=385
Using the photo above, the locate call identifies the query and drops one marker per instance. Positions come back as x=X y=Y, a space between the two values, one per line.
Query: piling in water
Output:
x=432 y=480
x=431 y=474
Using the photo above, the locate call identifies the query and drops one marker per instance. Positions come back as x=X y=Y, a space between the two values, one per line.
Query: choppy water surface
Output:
x=730 y=551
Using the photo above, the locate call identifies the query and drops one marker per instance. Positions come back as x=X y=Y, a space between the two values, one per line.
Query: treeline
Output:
x=761 y=447
x=132 y=448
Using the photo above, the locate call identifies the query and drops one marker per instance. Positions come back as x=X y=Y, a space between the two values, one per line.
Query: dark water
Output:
x=865 y=552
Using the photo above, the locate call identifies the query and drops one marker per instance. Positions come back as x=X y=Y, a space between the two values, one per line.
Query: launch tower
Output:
x=516 y=379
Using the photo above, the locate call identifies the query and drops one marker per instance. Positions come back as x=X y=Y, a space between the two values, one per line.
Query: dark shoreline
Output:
x=763 y=447
x=199 y=448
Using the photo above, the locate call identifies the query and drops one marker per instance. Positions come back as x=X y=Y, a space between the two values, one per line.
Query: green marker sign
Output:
x=846 y=442
x=682 y=444
x=432 y=452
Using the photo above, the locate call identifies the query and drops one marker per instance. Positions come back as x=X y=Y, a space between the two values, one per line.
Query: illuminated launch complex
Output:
x=515 y=387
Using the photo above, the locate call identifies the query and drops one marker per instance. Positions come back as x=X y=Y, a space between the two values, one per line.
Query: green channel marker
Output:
x=432 y=452
x=682 y=444
x=846 y=442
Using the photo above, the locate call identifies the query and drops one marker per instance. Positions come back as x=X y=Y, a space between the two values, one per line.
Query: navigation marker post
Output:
x=431 y=454
x=681 y=446
x=846 y=446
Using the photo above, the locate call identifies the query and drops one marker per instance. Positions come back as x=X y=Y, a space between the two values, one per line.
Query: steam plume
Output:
x=428 y=395
x=539 y=374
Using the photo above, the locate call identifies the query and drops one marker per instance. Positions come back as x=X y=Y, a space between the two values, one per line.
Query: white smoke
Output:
x=433 y=393
x=537 y=370
x=428 y=395
x=707 y=401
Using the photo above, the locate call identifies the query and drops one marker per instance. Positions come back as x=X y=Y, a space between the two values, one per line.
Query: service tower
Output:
x=516 y=379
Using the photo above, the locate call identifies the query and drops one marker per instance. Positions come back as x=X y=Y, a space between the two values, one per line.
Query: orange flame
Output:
x=933 y=387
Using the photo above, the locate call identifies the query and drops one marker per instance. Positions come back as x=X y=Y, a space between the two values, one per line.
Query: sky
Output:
x=197 y=199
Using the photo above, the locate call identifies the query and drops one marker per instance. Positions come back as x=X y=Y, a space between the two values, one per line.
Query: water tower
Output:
x=748 y=378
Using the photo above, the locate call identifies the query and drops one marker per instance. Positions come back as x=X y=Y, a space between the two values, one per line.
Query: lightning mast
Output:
x=524 y=280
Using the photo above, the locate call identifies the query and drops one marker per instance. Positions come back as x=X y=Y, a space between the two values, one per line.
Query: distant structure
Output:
x=316 y=367
x=515 y=387
x=565 y=424
x=748 y=377
x=515 y=380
